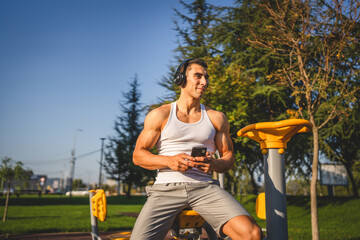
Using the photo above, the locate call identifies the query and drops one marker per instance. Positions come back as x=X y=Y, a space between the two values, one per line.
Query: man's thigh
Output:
x=215 y=205
x=159 y=211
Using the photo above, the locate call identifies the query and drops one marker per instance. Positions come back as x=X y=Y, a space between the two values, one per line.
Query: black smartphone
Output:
x=198 y=151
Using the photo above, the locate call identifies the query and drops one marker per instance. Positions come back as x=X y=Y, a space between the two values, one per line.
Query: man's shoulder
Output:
x=217 y=118
x=158 y=115
x=214 y=113
x=162 y=111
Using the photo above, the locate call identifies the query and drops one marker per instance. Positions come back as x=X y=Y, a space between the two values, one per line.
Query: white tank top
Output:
x=179 y=137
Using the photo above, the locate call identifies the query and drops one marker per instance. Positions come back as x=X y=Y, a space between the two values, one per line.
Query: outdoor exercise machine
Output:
x=273 y=138
x=98 y=211
x=187 y=225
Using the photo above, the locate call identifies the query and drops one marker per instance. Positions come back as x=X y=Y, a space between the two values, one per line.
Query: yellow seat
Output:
x=189 y=219
x=120 y=236
x=275 y=134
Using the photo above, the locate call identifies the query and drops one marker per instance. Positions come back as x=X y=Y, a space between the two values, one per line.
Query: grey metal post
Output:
x=222 y=180
x=275 y=195
x=94 y=222
x=101 y=159
x=72 y=164
x=221 y=176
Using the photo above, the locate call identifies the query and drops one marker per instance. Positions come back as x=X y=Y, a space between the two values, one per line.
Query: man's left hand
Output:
x=204 y=164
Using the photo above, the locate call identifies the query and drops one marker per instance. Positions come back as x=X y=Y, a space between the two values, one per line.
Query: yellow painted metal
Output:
x=275 y=134
x=281 y=151
x=98 y=204
x=120 y=236
x=189 y=218
x=260 y=207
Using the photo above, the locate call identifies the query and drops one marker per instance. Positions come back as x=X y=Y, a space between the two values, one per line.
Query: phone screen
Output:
x=198 y=151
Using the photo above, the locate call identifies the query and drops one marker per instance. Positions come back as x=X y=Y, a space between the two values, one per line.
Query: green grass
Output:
x=63 y=214
x=339 y=218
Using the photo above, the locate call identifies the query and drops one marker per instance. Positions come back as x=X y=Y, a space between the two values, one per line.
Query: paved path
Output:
x=67 y=236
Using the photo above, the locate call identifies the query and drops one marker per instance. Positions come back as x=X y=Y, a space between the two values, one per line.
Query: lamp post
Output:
x=101 y=158
x=72 y=163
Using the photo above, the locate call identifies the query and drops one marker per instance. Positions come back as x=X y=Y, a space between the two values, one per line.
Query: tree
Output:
x=237 y=72
x=9 y=171
x=229 y=92
x=194 y=40
x=78 y=183
x=341 y=142
x=321 y=42
x=246 y=96
x=194 y=35
x=118 y=154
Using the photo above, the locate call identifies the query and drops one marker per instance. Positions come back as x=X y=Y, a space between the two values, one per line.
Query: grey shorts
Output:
x=165 y=201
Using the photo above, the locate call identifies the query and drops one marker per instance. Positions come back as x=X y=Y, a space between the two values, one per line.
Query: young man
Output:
x=182 y=180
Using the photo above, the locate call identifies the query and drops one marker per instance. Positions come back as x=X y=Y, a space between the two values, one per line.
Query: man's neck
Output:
x=187 y=105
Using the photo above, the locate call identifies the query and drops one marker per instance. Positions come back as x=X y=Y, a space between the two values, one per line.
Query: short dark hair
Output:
x=195 y=61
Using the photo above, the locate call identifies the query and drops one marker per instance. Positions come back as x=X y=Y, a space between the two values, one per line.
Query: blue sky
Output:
x=64 y=65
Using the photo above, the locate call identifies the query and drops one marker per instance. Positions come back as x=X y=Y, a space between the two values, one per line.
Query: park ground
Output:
x=33 y=216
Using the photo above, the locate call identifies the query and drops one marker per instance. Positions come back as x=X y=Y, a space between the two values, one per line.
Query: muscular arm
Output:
x=223 y=144
x=147 y=139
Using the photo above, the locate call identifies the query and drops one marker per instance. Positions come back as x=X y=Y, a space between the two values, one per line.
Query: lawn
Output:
x=339 y=218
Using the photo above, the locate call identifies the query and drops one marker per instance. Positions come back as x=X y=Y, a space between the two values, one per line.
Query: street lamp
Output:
x=72 y=163
x=101 y=158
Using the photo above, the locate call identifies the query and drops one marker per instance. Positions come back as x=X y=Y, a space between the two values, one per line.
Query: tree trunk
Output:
x=253 y=183
x=128 y=191
x=118 y=187
x=352 y=180
x=7 y=201
x=313 y=194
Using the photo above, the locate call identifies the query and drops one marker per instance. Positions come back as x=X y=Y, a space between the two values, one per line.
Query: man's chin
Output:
x=201 y=95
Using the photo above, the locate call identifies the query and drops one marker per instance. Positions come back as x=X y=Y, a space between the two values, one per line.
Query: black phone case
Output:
x=198 y=151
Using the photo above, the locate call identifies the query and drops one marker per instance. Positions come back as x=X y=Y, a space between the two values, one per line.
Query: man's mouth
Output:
x=202 y=90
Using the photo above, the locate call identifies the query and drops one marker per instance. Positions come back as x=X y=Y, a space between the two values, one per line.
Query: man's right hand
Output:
x=181 y=162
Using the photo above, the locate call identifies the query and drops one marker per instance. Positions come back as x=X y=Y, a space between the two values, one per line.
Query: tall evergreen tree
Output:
x=258 y=100
x=238 y=71
x=194 y=40
x=193 y=32
x=118 y=154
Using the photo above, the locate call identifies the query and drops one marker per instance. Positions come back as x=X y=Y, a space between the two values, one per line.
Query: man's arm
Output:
x=154 y=123
x=223 y=143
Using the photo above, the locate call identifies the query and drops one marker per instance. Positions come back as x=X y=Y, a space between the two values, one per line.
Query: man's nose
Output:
x=204 y=81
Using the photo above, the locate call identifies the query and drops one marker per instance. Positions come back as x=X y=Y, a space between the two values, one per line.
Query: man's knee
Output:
x=252 y=233
x=256 y=233
x=242 y=227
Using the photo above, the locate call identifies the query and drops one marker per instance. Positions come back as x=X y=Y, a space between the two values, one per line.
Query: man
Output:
x=182 y=180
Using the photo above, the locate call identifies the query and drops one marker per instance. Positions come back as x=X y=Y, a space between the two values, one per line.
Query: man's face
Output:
x=196 y=80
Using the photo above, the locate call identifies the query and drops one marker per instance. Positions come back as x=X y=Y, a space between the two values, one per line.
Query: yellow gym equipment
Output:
x=273 y=138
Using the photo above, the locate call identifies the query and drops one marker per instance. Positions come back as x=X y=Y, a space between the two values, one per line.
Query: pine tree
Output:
x=118 y=154
x=245 y=95
x=194 y=35
x=194 y=40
